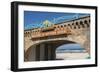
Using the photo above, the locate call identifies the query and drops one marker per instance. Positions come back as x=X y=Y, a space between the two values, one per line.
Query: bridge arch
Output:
x=75 y=30
x=45 y=50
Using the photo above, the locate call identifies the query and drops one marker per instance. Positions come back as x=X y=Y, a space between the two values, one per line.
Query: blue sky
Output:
x=35 y=19
x=70 y=47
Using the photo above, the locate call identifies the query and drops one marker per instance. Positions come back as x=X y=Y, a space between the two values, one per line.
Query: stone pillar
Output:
x=51 y=52
x=46 y=52
x=42 y=52
x=37 y=52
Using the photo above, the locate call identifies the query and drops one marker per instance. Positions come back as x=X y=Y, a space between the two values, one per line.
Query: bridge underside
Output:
x=44 y=51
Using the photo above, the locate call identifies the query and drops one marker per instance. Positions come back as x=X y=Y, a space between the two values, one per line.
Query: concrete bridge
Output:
x=41 y=43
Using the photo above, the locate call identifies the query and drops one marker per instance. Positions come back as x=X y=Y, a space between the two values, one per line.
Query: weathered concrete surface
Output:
x=79 y=34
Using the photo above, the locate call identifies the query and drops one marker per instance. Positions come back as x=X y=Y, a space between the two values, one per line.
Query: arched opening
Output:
x=71 y=51
x=49 y=50
x=61 y=26
x=74 y=27
x=65 y=25
x=77 y=24
x=81 y=23
x=86 y=22
x=69 y=26
x=89 y=20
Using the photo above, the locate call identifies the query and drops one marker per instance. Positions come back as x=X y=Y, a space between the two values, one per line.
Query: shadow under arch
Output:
x=34 y=52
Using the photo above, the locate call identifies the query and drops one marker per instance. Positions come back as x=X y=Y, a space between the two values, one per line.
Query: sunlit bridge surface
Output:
x=56 y=36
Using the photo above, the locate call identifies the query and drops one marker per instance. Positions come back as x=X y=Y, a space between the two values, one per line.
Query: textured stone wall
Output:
x=80 y=33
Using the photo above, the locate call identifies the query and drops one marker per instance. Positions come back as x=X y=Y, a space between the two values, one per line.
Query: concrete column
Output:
x=37 y=52
x=53 y=52
x=42 y=52
x=50 y=53
x=46 y=52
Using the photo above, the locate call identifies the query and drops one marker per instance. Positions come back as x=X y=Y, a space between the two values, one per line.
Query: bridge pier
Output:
x=48 y=51
x=51 y=52
x=38 y=52
x=41 y=52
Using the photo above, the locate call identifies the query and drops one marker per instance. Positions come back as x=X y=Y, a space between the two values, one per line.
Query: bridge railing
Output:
x=60 y=29
x=51 y=33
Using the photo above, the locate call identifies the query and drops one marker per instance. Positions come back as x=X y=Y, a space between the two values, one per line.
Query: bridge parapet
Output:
x=60 y=28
